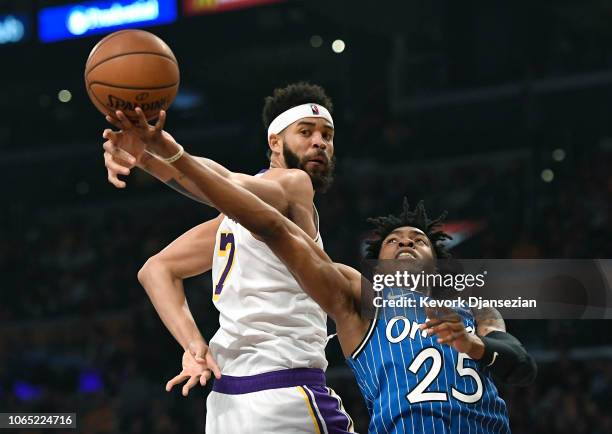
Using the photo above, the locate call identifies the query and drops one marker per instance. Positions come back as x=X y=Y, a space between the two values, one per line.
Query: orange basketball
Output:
x=129 y=69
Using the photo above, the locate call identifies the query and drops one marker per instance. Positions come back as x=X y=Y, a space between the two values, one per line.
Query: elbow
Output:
x=146 y=272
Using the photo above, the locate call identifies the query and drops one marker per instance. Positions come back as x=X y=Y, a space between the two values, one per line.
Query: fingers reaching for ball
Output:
x=126 y=124
x=142 y=120
x=161 y=120
x=113 y=121
x=109 y=135
x=144 y=123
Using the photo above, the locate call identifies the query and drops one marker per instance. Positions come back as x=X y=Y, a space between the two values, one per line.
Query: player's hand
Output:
x=448 y=326
x=122 y=151
x=154 y=137
x=198 y=365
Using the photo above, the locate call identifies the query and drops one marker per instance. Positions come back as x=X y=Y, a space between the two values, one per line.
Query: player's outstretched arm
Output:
x=125 y=149
x=121 y=156
x=329 y=285
x=162 y=277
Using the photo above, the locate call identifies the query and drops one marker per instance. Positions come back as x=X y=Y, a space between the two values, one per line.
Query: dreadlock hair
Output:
x=295 y=94
x=416 y=218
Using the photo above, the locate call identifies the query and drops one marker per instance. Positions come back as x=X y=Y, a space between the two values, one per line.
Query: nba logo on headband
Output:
x=315 y=109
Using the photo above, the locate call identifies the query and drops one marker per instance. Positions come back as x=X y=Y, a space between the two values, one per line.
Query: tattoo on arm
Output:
x=488 y=319
x=183 y=185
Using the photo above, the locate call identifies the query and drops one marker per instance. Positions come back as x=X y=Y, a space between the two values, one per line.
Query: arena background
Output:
x=499 y=112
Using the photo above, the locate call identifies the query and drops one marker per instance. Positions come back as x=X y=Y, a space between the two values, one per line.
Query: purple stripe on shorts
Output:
x=335 y=420
x=270 y=380
x=310 y=396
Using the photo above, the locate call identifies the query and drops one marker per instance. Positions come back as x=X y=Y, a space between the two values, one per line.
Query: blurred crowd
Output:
x=568 y=397
x=77 y=332
x=111 y=371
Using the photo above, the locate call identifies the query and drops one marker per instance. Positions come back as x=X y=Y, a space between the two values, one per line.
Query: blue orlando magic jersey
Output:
x=412 y=384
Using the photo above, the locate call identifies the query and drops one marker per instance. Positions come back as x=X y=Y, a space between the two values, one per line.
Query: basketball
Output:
x=129 y=69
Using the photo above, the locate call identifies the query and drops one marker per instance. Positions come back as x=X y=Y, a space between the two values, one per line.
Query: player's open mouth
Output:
x=404 y=255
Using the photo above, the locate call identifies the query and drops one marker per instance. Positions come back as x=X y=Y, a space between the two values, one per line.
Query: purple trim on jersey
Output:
x=262 y=171
x=336 y=421
x=269 y=380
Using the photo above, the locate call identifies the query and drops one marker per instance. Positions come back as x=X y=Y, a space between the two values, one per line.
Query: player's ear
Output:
x=275 y=143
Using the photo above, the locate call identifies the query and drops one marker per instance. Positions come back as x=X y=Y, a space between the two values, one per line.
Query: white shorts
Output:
x=292 y=401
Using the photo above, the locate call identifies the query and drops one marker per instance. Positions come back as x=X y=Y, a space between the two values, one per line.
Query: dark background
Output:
x=462 y=104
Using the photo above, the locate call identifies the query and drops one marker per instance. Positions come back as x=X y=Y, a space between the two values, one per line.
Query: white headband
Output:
x=288 y=117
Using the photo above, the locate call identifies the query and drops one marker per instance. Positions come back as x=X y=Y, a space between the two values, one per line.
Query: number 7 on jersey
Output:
x=226 y=242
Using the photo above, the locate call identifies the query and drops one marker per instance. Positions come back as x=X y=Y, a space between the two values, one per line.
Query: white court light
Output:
x=338 y=46
x=547 y=175
x=558 y=155
x=64 y=95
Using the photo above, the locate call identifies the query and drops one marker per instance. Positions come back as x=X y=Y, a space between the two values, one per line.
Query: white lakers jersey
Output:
x=267 y=322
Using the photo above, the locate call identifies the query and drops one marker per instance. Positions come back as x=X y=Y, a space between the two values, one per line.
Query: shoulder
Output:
x=295 y=184
x=293 y=181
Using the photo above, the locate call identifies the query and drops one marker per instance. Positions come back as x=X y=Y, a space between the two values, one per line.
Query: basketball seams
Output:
x=133 y=87
x=107 y=38
x=104 y=40
x=87 y=72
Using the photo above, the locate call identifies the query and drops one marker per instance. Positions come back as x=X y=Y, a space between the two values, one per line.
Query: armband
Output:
x=507 y=359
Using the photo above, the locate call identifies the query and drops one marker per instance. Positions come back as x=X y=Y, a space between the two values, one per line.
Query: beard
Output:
x=321 y=177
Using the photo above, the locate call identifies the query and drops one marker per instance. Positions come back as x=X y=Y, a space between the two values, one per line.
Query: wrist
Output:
x=477 y=347
x=196 y=340
x=144 y=159
x=165 y=149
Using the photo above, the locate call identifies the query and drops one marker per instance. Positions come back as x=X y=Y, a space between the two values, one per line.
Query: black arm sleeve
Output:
x=506 y=358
